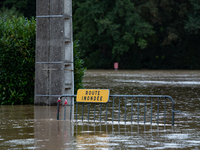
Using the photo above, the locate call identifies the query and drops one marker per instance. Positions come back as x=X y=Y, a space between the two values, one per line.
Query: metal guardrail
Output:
x=128 y=107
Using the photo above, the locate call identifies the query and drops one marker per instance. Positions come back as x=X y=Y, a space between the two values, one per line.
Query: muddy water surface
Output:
x=33 y=127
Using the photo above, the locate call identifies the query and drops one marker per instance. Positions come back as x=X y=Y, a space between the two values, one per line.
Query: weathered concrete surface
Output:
x=54 y=51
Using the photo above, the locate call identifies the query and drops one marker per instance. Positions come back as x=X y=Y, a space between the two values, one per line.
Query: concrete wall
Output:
x=54 y=51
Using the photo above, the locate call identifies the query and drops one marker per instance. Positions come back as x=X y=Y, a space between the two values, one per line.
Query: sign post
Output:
x=93 y=95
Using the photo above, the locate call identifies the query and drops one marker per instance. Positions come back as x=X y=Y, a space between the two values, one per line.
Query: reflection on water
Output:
x=92 y=141
x=133 y=137
x=16 y=127
x=35 y=127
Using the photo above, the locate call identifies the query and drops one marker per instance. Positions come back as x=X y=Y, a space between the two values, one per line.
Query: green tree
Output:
x=17 y=60
x=26 y=7
x=173 y=46
x=167 y=17
x=108 y=29
x=139 y=34
x=192 y=25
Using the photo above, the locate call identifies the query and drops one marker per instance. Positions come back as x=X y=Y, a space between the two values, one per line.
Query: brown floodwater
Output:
x=36 y=127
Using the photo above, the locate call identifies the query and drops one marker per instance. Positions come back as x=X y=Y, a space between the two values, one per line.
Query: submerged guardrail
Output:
x=123 y=108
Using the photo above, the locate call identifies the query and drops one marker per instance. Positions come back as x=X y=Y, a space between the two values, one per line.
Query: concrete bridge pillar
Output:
x=54 y=74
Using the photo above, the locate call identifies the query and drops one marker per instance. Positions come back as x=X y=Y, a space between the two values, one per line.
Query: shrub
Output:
x=78 y=68
x=17 y=60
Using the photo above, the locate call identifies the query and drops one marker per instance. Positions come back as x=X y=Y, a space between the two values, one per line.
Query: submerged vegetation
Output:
x=17 y=60
x=78 y=68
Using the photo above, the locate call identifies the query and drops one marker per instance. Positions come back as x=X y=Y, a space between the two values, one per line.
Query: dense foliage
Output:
x=152 y=34
x=78 y=68
x=17 y=60
x=25 y=7
x=144 y=34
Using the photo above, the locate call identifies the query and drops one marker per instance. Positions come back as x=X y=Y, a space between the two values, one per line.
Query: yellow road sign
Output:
x=93 y=95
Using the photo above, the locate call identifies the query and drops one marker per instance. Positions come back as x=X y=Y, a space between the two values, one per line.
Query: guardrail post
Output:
x=113 y=109
x=158 y=112
x=173 y=114
x=58 y=103
x=145 y=111
x=119 y=112
x=138 y=109
x=151 y=110
x=88 y=111
x=165 y=112
x=82 y=110
x=76 y=109
x=125 y=110
x=100 y=111
x=132 y=111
